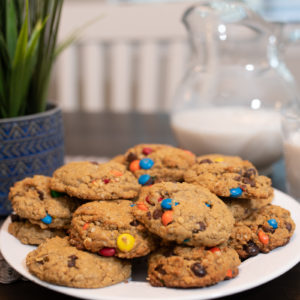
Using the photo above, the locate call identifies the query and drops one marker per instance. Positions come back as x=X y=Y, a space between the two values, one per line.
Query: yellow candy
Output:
x=219 y=159
x=125 y=242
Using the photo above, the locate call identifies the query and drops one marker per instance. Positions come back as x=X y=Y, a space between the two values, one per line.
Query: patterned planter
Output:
x=29 y=145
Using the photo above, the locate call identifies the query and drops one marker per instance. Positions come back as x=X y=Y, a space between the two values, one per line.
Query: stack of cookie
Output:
x=195 y=217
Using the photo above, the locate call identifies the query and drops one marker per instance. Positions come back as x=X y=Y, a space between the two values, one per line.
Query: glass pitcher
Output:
x=230 y=99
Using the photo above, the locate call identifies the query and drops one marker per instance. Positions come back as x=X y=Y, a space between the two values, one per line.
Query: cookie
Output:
x=32 y=199
x=57 y=262
x=152 y=163
x=31 y=234
x=229 y=176
x=243 y=208
x=94 y=181
x=266 y=229
x=186 y=267
x=110 y=229
x=184 y=213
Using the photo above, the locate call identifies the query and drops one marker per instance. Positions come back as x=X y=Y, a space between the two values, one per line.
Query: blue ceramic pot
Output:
x=29 y=145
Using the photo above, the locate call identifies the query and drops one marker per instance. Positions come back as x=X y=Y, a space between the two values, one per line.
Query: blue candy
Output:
x=207 y=204
x=47 y=219
x=166 y=203
x=186 y=240
x=236 y=192
x=273 y=223
x=144 y=178
x=146 y=163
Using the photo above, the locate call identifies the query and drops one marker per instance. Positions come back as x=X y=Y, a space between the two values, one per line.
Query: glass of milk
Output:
x=291 y=134
x=229 y=100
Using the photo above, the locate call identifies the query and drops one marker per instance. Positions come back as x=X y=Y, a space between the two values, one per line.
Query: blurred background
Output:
x=134 y=55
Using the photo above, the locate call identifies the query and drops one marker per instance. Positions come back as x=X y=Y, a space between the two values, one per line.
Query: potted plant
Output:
x=31 y=129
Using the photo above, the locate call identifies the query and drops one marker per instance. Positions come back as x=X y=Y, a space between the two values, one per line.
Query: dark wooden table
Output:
x=112 y=134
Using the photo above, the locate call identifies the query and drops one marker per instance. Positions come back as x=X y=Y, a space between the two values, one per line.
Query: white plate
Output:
x=253 y=272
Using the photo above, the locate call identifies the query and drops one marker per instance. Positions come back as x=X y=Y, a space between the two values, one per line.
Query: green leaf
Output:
x=11 y=28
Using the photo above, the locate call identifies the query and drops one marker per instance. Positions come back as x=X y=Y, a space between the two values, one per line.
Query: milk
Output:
x=292 y=164
x=254 y=135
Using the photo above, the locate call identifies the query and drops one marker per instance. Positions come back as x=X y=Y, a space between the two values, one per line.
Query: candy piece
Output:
x=219 y=159
x=157 y=214
x=134 y=165
x=107 y=251
x=131 y=157
x=264 y=239
x=166 y=203
x=160 y=199
x=229 y=274
x=125 y=242
x=47 y=219
x=116 y=173
x=176 y=203
x=236 y=192
x=207 y=204
x=143 y=179
x=186 y=240
x=167 y=217
x=146 y=163
x=198 y=270
x=215 y=250
x=85 y=226
x=142 y=206
x=273 y=223
x=56 y=194
x=147 y=150
x=106 y=180
x=132 y=205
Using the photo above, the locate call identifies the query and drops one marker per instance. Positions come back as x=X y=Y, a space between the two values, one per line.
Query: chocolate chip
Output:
x=288 y=226
x=157 y=214
x=41 y=195
x=247 y=180
x=198 y=270
x=15 y=218
x=134 y=223
x=160 y=269
x=250 y=173
x=202 y=227
x=72 y=261
x=149 y=215
x=237 y=178
x=268 y=229
x=206 y=161
x=131 y=157
x=94 y=162
x=251 y=248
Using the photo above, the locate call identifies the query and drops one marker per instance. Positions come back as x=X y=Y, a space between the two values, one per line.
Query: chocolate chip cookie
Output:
x=32 y=234
x=110 y=229
x=184 y=213
x=186 y=267
x=57 y=262
x=266 y=229
x=229 y=176
x=152 y=163
x=94 y=181
x=32 y=199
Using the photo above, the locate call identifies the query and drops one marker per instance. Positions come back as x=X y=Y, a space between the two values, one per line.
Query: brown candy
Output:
x=198 y=270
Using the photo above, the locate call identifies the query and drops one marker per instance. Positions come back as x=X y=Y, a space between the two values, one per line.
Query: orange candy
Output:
x=142 y=206
x=264 y=239
x=229 y=273
x=167 y=217
x=85 y=226
x=116 y=173
x=134 y=165
x=215 y=249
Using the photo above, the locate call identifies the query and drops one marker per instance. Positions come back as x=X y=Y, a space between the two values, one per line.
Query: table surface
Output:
x=111 y=134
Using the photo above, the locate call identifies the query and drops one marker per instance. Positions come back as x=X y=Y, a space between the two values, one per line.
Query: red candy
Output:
x=229 y=274
x=215 y=249
x=85 y=226
x=147 y=150
x=107 y=251
x=106 y=181
x=160 y=199
x=264 y=239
